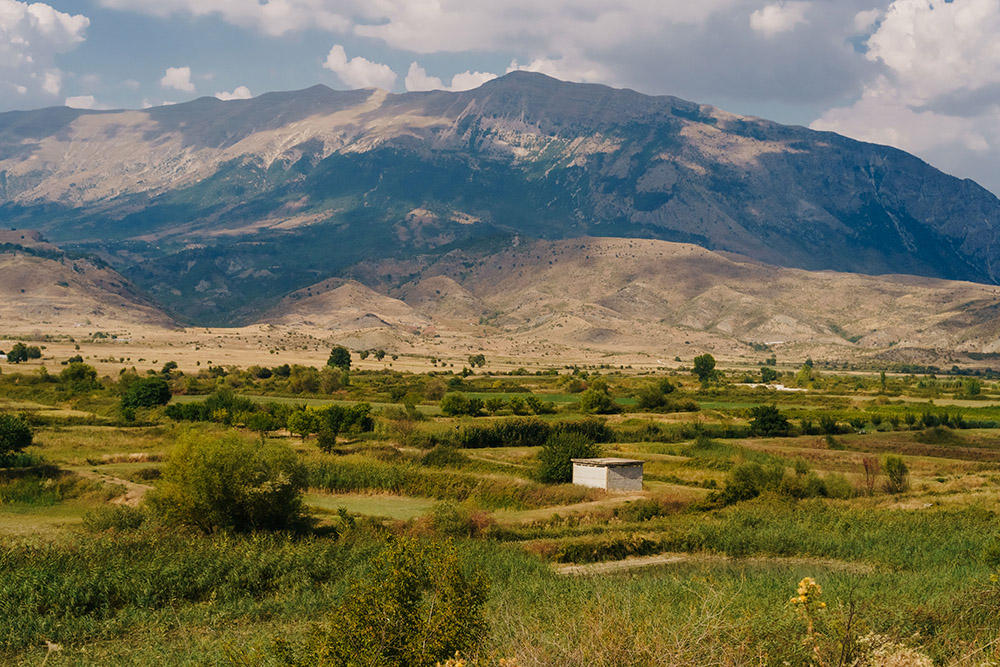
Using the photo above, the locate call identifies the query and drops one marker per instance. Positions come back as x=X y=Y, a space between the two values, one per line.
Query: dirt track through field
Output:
x=639 y=562
x=134 y=492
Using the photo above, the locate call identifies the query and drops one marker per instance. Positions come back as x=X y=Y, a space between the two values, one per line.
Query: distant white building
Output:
x=610 y=474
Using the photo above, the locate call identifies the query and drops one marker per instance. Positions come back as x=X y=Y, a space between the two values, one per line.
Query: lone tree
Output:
x=340 y=357
x=15 y=435
x=704 y=367
x=768 y=375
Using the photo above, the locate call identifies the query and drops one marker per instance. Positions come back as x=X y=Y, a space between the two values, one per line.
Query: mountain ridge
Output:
x=221 y=209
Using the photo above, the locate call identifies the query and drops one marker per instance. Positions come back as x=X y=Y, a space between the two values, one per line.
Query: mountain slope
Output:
x=44 y=289
x=664 y=299
x=221 y=209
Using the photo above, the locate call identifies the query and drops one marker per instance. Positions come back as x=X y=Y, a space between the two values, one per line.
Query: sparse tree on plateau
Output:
x=704 y=367
x=18 y=353
x=340 y=357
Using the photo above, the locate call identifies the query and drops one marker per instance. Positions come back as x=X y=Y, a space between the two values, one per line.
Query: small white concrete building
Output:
x=610 y=474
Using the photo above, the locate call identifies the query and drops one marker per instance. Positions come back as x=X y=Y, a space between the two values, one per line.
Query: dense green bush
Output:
x=556 y=465
x=15 y=435
x=122 y=518
x=336 y=419
x=79 y=377
x=509 y=432
x=146 y=392
x=455 y=403
x=443 y=456
x=749 y=480
x=592 y=428
x=767 y=421
x=416 y=607
x=597 y=402
x=230 y=483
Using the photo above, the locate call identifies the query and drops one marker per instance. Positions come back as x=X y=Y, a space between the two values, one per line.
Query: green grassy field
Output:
x=734 y=520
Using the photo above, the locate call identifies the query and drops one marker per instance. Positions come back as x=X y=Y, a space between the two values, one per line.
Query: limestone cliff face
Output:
x=222 y=208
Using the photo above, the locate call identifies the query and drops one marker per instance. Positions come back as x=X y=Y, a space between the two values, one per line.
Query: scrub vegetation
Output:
x=301 y=516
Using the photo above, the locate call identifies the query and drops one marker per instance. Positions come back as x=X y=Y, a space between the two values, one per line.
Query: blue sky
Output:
x=921 y=75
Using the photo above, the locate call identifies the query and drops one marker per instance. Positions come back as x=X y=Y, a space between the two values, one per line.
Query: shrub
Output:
x=336 y=419
x=443 y=456
x=897 y=474
x=79 y=377
x=15 y=435
x=592 y=428
x=303 y=422
x=557 y=454
x=455 y=403
x=415 y=608
x=146 y=392
x=829 y=425
x=230 y=483
x=450 y=519
x=122 y=518
x=597 y=402
x=643 y=510
x=749 y=480
x=767 y=421
x=837 y=486
x=510 y=432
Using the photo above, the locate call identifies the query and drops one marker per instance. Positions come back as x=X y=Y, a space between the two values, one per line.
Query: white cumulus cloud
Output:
x=359 y=72
x=937 y=91
x=239 y=93
x=31 y=36
x=52 y=82
x=178 y=78
x=567 y=69
x=81 y=102
x=418 y=79
x=468 y=80
x=780 y=17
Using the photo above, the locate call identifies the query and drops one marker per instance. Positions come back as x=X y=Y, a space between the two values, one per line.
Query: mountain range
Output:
x=227 y=213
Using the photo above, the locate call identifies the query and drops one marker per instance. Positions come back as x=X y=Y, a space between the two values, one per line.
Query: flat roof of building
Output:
x=608 y=462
